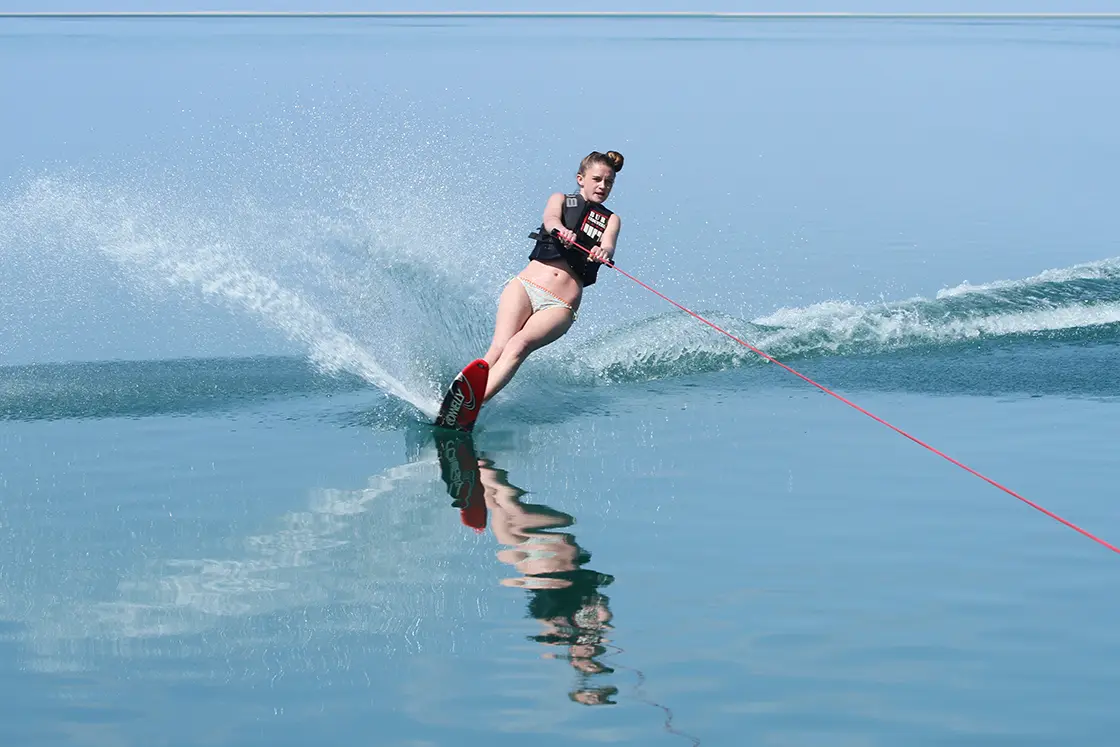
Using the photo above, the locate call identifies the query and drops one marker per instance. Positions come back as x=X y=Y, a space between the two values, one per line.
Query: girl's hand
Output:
x=566 y=235
x=599 y=254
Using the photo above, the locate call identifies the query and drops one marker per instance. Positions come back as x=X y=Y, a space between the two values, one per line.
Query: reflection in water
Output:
x=356 y=582
x=369 y=556
x=564 y=595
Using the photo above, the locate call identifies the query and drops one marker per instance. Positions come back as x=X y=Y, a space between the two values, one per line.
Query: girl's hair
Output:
x=612 y=159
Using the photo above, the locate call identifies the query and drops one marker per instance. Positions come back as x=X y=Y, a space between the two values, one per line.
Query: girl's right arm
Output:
x=553 y=218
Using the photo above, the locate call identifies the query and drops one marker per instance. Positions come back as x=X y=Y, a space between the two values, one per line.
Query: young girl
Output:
x=539 y=305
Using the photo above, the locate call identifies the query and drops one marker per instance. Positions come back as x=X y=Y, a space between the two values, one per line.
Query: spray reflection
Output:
x=564 y=595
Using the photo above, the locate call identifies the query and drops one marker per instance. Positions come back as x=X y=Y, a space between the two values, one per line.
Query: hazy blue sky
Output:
x=629 y=5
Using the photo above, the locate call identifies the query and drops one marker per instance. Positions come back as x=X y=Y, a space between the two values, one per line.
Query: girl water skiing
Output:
x=539 y=305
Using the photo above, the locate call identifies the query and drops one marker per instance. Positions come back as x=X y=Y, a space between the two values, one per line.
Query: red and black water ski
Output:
x=458 y=466
x=464 y=397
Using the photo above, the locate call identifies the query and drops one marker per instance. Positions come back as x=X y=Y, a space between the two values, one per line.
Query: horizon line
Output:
x=761 y=15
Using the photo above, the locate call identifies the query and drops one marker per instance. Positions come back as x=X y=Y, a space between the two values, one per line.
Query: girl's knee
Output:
x=518 y=348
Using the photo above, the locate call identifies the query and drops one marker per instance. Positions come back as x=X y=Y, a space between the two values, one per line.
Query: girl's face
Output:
x=595 y=183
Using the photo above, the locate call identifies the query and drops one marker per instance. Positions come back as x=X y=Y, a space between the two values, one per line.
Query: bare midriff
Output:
x=556 y=277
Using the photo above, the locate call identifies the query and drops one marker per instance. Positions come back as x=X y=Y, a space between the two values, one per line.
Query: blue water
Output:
x=241 y=259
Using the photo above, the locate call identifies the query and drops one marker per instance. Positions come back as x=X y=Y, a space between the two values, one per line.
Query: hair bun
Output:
x=612 y=159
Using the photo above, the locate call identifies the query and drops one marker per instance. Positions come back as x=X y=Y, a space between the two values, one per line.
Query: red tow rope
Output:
x=853 y=405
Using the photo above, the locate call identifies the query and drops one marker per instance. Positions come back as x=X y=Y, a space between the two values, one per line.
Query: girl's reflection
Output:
x=564 y=595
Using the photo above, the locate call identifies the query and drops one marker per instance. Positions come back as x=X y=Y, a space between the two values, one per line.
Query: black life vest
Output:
x=589 y=221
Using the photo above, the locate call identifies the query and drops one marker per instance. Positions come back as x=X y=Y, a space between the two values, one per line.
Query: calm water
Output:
x=241 y=259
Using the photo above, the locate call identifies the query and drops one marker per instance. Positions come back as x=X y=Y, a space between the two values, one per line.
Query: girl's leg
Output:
x=514 y=310
x=542 y=328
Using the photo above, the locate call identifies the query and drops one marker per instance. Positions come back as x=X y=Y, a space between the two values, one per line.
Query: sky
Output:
x=918 y=6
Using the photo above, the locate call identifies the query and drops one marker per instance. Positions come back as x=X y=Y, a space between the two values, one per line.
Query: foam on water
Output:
x=330 y=234
x=1057 y=304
